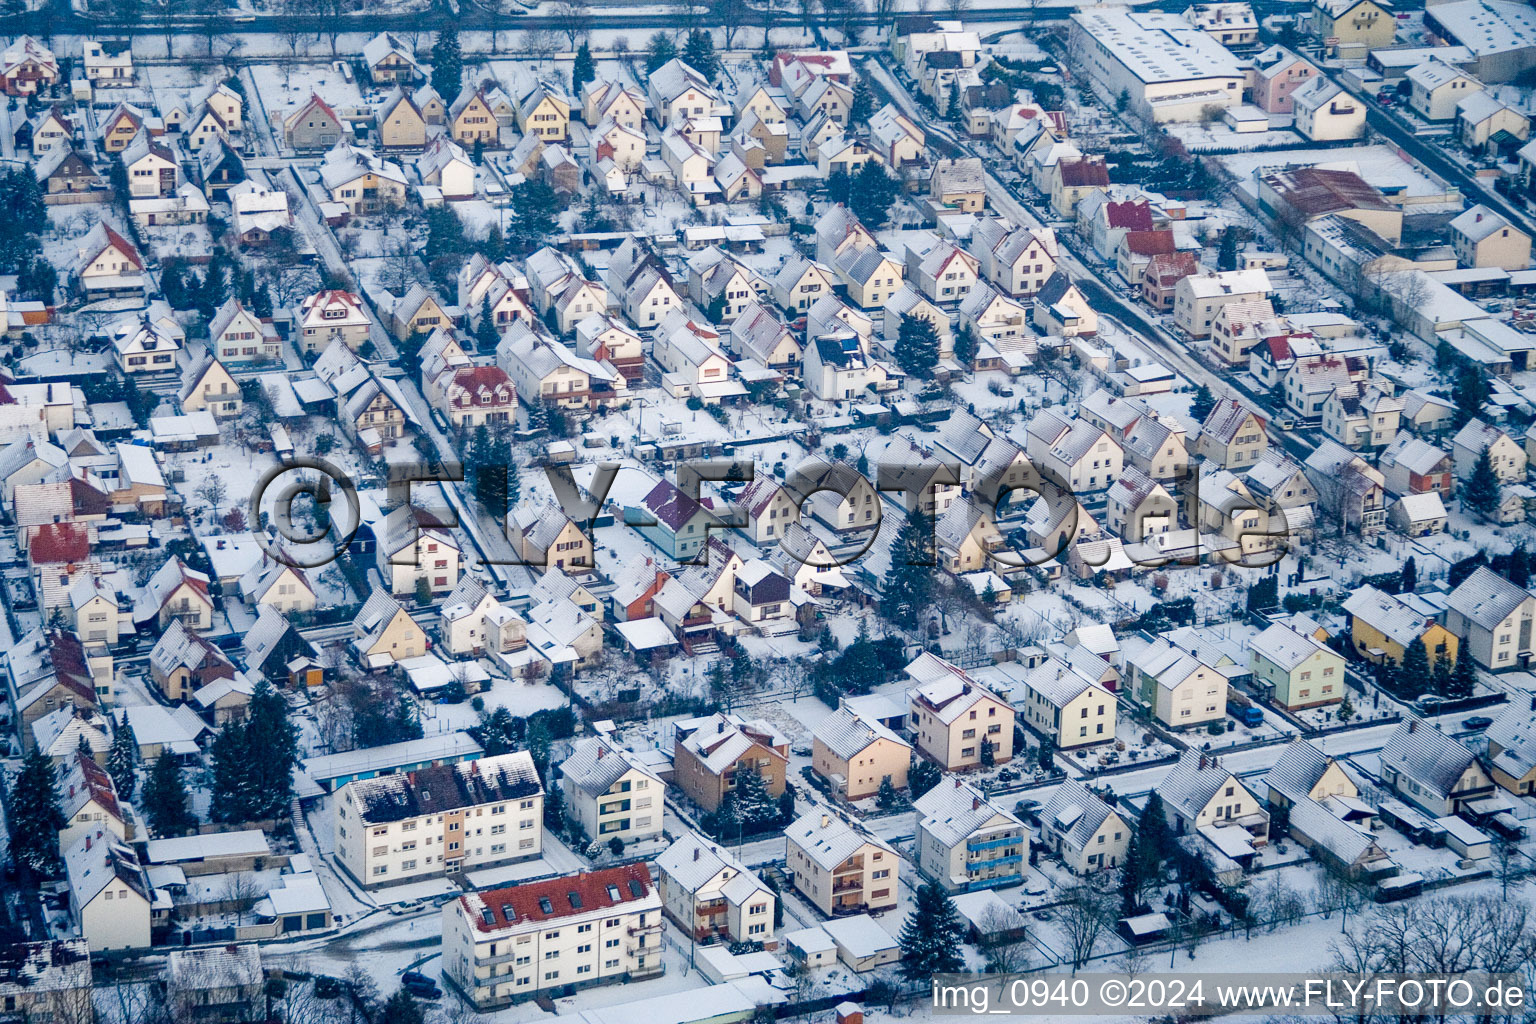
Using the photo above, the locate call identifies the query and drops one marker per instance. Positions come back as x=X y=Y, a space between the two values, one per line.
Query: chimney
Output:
x=826 y=820
x=1202 y=762
x=87 y=841
x=719 y=727
x=975 y=802
x=600 y=752
x=1413 y=725
x=695 y=853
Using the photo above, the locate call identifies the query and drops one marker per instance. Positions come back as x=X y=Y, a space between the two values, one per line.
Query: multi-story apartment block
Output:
x=611 y=792
x=705 y=890
x=954 y=717
x=440 y=820
x=964 y=842
x=552 y=937
x=838 y=866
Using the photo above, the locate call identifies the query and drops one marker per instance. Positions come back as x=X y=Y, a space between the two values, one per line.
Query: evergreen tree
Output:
x=699 y=51
x=1152 y=828
x=447 y=63
x=582 y=71
x=755 y=806
x=1226 y=256
x=83 y=744
x=908 y=588
x=661 y=50
x=554 y=809
x=1482 y=492
x=499 y=732
x=1413 y=676
x=988 y=753
x=1410 y=578
x=886 y=797
x=1047 y=754
x=486 y=335
x=863 y=105
x=922 y=776
x=840 y=187
x=1519 y=570
x=1130 y=879
x=165 y=799
x=1463 y=676
x=952 y=111
x=253 y=761
x=1459 y=571
x=1441 y=679
x=1470 y=392
x=1264 y=594
x=1201 y=405
x=32 y=807
x=401 y=1008
x=1346 y=709
x=965 y=346
x=932 y=936
x=874 y=192
x=122 y=759
x=917 y=345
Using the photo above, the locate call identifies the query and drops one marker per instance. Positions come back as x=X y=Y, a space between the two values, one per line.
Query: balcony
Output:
x=847 y=867
x=714 y=909
x=986 y=865
x=644 y=929
x=992 y=844
x=847 y=885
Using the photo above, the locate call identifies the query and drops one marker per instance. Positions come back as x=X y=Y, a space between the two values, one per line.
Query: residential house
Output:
x=857 y=756
x=1493 y=619
x=314 y=127
x=1301 y=671
x=956 y=721
x=710 y=894
x=1324 y=112
x=1511 y=747
x=1086 y=833
x=1431 y=770
x=110 y=896
x=384 y=633
x=839 y=867
x=1435 y=88
x=965 y=842
x=1202 y=796
x=1177 y=686
x=611 y=792
x=1065 y=699
x=1484 y=238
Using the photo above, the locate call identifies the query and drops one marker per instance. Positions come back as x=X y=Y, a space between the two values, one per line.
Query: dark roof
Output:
x=1078 y=173
x=1315 y=191
x=671 y=507
x=1133 y=215
x=1055 y=288
x=446 y=787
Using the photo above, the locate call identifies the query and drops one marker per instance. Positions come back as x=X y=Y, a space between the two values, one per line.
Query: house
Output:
x=1277 y=74
x=27 y=67
x=401 y=124
x=959 y=184
x=602 y=338
x=1353 y=27
x=108 y=63
x=389 y=59
x=313 y=127
x=678 y=524
x=182 y=661
x=1066 y=700
x=108 y=266
x=1412 y=466
x=1073 y=453
x=611 y=101
x=238 y=336
x=1477 y=437
x=1494 y=619
x=1062 y=309
x=1139 y=507
x=332 y=315
x=965 y=842
x=601 y=927
x=47 y=981
x=1362 y=415
x=1202 y=796
x=1432 y=771
x=1418 y=515
x=440 y=820
x=361 y=180
x=384 y=633
x=547 y=372
x=612 y=792
x=151 y=168
x=221 y=983
x=1301 y=671
x=622 y=143
x=62 y=677
x=1511 y=747
x=471 y=120
x=89 y=801
x=709 y=753
x=1435 y=88
x=1199 y=297
x=1489 y=124
x=418 y=552
x=176 y=592
x=1072 y=181
x=895 y=139
x=870 y=276
x=285 y=587
x=1484 y=238
x=219 y=166
x=857 y=756
x=944 y=272
x=207 y=385
x=110 y=896
x=218 y=112
x=1177 y=686
x=800 y=282
x=1324 y=812
x=1350 y=490
x=678 y=90
x=1324 y=112
x=1017 y=261
x=838 y=866
x=53 y=127
x=710 y=894
x=476 y=396
x=1086 y=833
x=956 y=721
x=545 y=112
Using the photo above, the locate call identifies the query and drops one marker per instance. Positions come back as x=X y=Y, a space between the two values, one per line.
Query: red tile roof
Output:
x=494 y=909
x=59 y=542
x=1133 y=215
x=1150 y=243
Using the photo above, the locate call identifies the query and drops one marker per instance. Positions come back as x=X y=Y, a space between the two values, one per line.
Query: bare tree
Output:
x=1085 y=915
x=240 y=891
x=496 y=19
x=1509 y=865
x=1007 y=950
x=541 y=43
x=957 y=8
x=213 y=491
x=572 y=18
x=731 y=15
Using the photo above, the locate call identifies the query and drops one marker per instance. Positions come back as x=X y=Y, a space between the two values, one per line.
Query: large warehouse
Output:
x=1169 y=70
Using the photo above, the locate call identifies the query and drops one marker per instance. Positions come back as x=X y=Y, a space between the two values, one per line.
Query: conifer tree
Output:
x=1201 y=405
x=122 y=759
x=1414 y=676
x=931 y=938
x=253 y=761
x=1481 y=494
x=917 y=345
x=165 y=799
x=35 y=819
x=582 y=70
x=1410 y=578
x=1464 y=675
x=447 y=63
x=908 y=588
x=699 y=52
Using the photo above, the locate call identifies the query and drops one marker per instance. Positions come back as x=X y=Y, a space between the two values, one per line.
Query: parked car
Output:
x=1027 y=807
x=404 y=908
x=419 y=985
x=1478 y=722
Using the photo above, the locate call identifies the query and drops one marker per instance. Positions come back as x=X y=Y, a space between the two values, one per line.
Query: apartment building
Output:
x=838 y=866
x=710 y=752
x=954 y=717
x=440 y=820
x=553 y=937
x=611 y=792
x=965 y=842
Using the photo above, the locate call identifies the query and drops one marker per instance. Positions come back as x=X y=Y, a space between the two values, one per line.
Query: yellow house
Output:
x=384 y=633
x=1353 y=24
x=958 y=723
x=418 y=547
x=208 y=386
x=1084 y=831
x=402 y=125
x=871 y=276
x=1305 y=773
x=284 y=587
x=544 y=113
x=1303 y=672
x=1232 y=436
x=471 y=120
x=547 y=537
x=1202 y=795
x=1058 y=701
x=1383 y=625
x=856 y=755
x=839 y=867
x=1512 y=747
